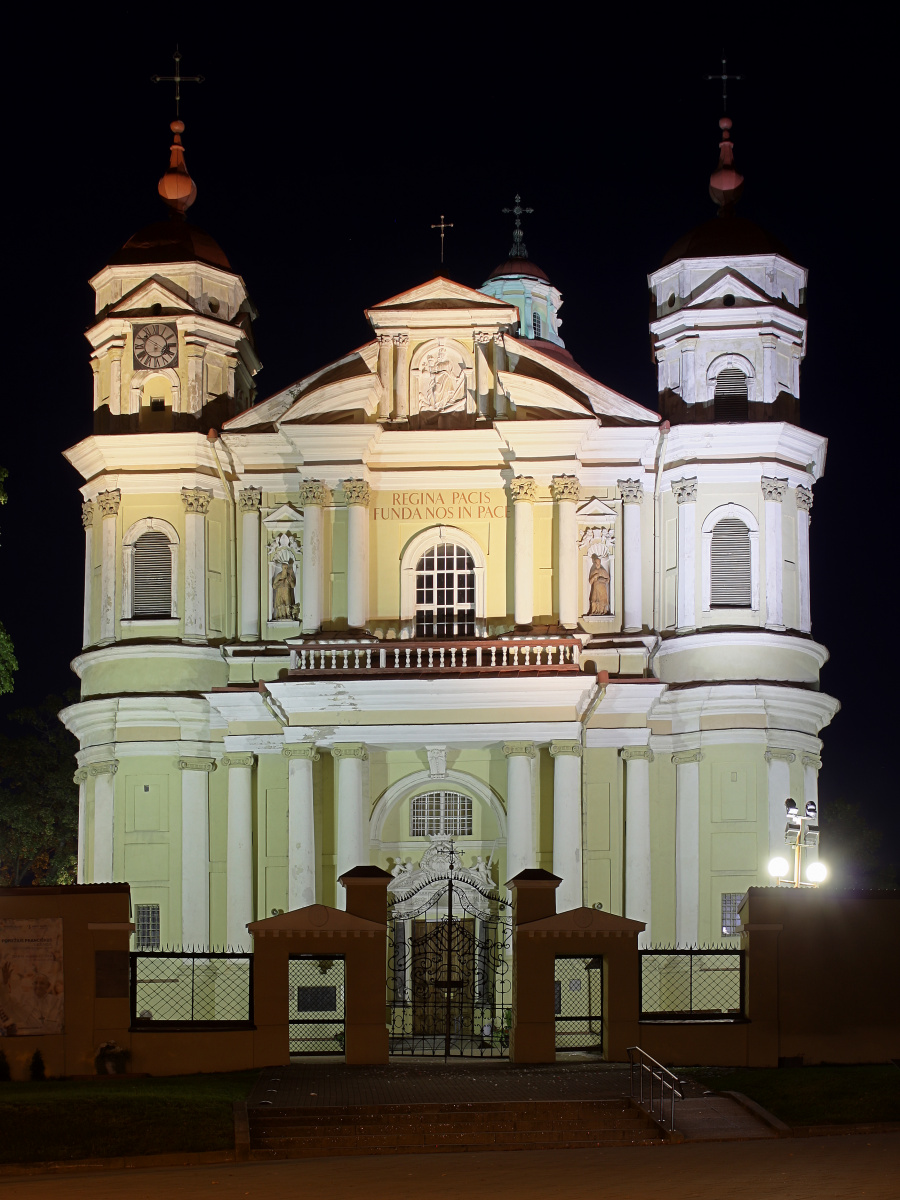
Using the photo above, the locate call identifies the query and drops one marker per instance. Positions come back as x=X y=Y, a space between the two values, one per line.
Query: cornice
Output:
x=720 y=639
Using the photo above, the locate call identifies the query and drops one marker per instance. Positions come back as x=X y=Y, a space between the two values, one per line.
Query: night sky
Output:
x=323 y=149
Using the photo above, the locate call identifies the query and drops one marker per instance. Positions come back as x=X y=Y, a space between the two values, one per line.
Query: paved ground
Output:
x=717 y=1119
x=832 y=1168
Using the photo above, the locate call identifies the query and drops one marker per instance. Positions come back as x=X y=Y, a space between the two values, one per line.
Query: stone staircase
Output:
x=428 y=1128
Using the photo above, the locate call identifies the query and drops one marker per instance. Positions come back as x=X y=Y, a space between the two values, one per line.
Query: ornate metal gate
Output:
x=449 y=959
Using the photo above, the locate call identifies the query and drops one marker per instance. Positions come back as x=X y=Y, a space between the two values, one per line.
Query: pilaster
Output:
x=685 y=492
x=522 y=490
x=357 y=495
x=632 y=493
x=312 y=498
x=565 y=491
x=109 y=510
x=249 y=501
x=773 y=493
x=301 y=825
x=196 y=505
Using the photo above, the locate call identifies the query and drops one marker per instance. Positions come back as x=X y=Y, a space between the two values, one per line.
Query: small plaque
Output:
x=316 y=999
x=574 y=985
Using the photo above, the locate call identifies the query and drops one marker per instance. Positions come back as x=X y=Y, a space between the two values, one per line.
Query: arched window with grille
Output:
x=730 y=584
x=434 y=813
x=445 y=592
x=731 y=399
x=150 y=560
x=536 y=324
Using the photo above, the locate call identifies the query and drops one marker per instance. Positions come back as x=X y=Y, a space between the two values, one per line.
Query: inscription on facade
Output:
x=444 y=505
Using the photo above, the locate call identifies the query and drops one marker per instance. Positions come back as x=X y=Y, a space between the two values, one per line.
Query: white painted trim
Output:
x=147 y=525
x=737 y=362
x=706 y=532
x=140 y=377
x=438 y=535
x=411 y=785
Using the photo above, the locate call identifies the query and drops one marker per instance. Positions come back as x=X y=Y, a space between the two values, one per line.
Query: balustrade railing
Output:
x=468 y=656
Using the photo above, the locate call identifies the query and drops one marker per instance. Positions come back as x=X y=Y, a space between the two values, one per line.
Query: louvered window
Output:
x=152 y=576
x=731 y=399
x=435 y=813
x=730 y=565
x=536 y=324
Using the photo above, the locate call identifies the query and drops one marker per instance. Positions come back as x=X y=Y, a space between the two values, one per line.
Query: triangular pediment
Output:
x=153 y=291
x=594 y=510
x=286 y=517
x=436 y=290
x=314 y=919
x=724 y=283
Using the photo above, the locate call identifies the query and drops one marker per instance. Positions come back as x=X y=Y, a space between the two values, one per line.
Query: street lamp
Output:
x=800 y=833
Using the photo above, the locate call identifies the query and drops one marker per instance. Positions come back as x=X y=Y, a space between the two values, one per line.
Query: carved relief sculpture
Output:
x=356 y=491
x=87 y=514
x=196 y=500
x=109 y=502
x=632 y=491
x=600 y=542
x=564 y=487
x=804 y=499
x=522 y=488
x=773 y=489
x=685 y=490
x=443 y=381
x=312 y=491
x=284 y=553
x=249 y=499
x=598 y=604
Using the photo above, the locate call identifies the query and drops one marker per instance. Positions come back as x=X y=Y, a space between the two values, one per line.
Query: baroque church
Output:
x=448 y=586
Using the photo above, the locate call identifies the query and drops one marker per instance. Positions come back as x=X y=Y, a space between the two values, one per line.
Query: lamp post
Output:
x=800 y=833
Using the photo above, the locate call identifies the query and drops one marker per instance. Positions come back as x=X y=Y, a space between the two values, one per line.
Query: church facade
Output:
x=449 y=586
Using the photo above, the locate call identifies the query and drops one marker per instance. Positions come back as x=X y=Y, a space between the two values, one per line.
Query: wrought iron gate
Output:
x=449 y=963
x=578 y=983
x=316 y=1004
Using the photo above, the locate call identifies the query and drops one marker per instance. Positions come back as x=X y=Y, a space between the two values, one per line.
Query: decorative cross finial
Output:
x=518 y=249
x=442 y=225
x=178 y=79
x=723 y=78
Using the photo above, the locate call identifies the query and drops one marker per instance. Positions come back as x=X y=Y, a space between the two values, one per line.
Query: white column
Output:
x=811 y=766
x=632 y=497
x=356 y=493
x=115 y=381
x=352 y=841
x=567 y=859
x=773 y=492
x=522 y=490
x=386 y=399
x=565 y=492
x=103 y=775
x=312 y=497
x=109 y=508
x=779 y=772
x=687 y=847
x=195 y=851
x=249 y=501
x=769 y=371
x=499 y=365
x=519 y=807
x=804 y=504
x=482 y=373
x=401 y=377
x=239 y=851
x=81 y=778
x=685 y=492
x=196 y=506
x=301 y=826
x=87 y=520
x=637 y=836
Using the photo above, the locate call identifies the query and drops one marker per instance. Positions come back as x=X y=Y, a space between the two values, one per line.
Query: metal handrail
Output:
x=666 y=1079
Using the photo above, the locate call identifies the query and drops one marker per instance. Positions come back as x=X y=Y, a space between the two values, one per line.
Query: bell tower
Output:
x=172 y=345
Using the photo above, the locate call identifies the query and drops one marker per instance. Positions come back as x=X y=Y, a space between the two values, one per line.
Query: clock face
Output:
x=155 y=346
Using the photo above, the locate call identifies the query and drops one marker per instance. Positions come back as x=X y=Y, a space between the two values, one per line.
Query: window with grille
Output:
x=146 y=926
x=437 y=813
x=536 y=324
x=445 y=593
x=152 y=576
x=731 y=920
x=729 y=565
x=731 y=399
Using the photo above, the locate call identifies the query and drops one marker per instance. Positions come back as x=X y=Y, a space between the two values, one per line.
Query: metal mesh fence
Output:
x=697 y=985
x=172 y=987
x=578 y=984
x=316 y=1004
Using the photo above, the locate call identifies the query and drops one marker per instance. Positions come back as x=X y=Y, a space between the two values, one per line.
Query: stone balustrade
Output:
x=451 y=656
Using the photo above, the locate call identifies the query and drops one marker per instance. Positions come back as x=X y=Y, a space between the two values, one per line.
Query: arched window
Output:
x=435 y=813
x=731 y=397
x=152 y=576
x=445 y=592
x=536 y=324
x=730 y=584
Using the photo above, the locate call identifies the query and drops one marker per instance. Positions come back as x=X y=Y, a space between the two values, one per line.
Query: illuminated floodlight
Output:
x=811 y=810
x=778 y=867
x=790 y=808
x=816 y=872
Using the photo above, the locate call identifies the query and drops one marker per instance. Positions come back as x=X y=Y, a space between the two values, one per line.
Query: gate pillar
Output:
x=366 y=1034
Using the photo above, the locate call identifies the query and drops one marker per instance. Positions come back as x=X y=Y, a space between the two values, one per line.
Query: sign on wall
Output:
x=31 y=977
x=447 y=504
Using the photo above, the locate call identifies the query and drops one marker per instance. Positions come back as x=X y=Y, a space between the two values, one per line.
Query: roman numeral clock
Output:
x=155 y=346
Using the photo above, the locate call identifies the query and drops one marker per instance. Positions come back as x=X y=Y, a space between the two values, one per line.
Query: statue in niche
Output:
x=598 y=579
x=283 y=584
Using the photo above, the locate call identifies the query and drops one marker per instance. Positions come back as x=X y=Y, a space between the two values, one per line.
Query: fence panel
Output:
x=171 y=988
x=692 y=985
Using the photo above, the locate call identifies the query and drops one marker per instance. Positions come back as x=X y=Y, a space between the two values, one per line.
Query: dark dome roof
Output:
x=519 y=266
x=170 y=242
x=726 y=235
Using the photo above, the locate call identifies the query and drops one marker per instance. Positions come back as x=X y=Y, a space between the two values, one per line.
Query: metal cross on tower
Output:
x=178 y=79
x=519 y=249
x=442 y=225
x=723 y=78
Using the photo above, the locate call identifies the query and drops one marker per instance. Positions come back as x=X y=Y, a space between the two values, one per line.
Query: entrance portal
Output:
x=316 y=1004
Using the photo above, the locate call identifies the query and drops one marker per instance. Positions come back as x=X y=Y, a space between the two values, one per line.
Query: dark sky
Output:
x=324 y=147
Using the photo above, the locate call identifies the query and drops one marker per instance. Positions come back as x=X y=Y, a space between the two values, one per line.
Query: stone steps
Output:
x=429 y=1128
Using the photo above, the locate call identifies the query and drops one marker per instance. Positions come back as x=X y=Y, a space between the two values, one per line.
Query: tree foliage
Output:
x=38 y=798
x=8 y=664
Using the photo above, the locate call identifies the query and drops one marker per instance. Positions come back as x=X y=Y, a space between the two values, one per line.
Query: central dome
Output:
x=519 y=266
x=171 y=241
x=725 y=236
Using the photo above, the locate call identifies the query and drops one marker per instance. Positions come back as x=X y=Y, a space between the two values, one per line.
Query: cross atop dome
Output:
x=518 y=248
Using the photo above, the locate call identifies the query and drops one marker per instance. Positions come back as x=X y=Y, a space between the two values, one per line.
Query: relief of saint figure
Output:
x=440 y=388
x=283 y=586
x=599 y=583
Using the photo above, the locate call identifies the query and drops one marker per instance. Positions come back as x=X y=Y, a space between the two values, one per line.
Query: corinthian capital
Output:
x=250 y=499
x=87 y=514
x=482 y=337
x=804 y=498
x=522 y=488
x=401 y=339
x=773 y=489
x=312 y=491
x=564 y=487
x=632 y=490
x=109 y=502
x=196 y=500
x=685 y=490
x=356 y=491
